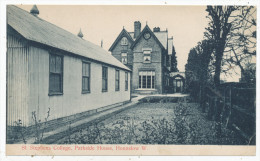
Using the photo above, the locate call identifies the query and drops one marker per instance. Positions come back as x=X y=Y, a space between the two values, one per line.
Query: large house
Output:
x=48 y=67
x=148 y=53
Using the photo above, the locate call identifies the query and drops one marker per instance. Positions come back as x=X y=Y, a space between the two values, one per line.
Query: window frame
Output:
x=124 y=57
x=89 y=78
x=124 y=41
x=117 y=86
x=141 y=82
x=53 y=93
x=147 y=53
x=106 y=79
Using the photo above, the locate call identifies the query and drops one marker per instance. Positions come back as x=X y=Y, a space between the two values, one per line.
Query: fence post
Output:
x=218 y=118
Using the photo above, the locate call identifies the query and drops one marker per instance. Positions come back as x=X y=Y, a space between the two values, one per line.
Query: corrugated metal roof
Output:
x=170 y=45
x=36 y=29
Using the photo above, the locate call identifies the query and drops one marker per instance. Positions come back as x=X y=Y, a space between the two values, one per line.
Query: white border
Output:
x=3 y=4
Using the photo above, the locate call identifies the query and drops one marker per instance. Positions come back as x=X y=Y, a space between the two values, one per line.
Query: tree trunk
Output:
x=219 y=55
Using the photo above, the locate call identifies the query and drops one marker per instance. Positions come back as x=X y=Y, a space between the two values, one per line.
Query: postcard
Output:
x=138 y=80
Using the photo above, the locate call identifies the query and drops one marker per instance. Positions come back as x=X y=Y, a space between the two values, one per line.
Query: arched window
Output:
x=124 y=41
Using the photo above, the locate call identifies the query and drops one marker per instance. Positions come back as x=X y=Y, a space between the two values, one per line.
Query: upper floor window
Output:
x=117 y=85
x=104 y=79
x=85 y=77
x=124 y=41
x=124 y=58
x=56 y=74
x=147 y=56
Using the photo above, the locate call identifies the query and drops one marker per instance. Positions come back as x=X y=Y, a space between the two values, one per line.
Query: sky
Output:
x=185 y=23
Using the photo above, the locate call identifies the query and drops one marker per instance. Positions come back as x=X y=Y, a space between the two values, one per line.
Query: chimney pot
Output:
x=34 y=10
x=156 y=29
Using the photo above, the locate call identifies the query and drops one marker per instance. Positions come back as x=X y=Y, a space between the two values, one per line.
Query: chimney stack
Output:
x=137 y=28
x=34 y=11
x=156 y=29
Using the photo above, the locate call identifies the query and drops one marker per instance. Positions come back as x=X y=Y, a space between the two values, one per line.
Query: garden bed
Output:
x=153 y=123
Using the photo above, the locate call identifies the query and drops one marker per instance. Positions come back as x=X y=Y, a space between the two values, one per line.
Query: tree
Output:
x=197 y=68
x=218 y=30
x=241 y=43
x=173 y=61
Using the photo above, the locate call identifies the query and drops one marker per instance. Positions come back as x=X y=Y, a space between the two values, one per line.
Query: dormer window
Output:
x=124 y=41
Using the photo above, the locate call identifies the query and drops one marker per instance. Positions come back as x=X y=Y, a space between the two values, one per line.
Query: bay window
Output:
x=146 y=79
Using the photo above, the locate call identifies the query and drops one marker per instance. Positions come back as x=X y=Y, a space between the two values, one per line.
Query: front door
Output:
x=178 y=86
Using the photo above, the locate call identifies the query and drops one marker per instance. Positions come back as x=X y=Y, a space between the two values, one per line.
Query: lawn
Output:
x=160 y=122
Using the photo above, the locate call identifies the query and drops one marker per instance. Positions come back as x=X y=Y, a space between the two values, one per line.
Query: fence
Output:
x=233 y=106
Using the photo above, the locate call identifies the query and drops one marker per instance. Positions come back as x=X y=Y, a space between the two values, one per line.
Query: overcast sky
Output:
x=185 y=23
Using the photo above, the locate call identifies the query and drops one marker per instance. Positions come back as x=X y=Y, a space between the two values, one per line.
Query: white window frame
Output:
x=147 y=53
x=152 y=81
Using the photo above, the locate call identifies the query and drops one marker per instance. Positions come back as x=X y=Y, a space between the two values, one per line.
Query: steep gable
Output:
x=122 y=34
x=147 y=29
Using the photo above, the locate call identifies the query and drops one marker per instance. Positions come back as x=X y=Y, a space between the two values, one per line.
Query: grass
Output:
x=153 y=123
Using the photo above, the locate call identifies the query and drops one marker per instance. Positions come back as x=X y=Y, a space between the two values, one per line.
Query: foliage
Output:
x=39 y=127
x=241 y=43
x=20 y=130
x=38 y=132
x=183 y=127
x=233 y=31
x=173 y=61
x=197 y=71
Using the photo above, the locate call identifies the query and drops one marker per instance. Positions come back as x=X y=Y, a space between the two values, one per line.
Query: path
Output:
x=60 y=131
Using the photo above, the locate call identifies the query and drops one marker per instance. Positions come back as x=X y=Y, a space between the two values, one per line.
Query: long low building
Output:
x=51 y=69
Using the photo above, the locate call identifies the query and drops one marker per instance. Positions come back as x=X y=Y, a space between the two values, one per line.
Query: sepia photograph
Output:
x=131 y=79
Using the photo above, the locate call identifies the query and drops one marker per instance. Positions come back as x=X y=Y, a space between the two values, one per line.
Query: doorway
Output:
x=178 y=85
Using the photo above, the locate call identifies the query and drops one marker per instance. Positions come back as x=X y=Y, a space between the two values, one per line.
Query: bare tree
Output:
x=218 y=30
x=241 y=43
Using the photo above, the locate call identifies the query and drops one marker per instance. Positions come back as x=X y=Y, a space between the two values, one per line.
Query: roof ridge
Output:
x=54 y=25
x=54 y=36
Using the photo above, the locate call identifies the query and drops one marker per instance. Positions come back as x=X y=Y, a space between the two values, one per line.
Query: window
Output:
x=147 y=56
x=124 y=58
x=85 y=77
x=124 y=41
x=104 y=79
x=117 y=80
x=56 y=74
x=146 y=79
x=126 y=81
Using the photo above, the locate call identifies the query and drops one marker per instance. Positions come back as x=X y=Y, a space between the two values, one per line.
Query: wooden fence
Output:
x=233 y=106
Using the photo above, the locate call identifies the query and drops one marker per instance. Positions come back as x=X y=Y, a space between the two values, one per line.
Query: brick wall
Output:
x=155 y=65
x=118 y=49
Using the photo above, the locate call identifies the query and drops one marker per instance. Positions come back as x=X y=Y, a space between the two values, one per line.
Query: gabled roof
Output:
x=122 y=34
x=132 y=35
x=147 y=29
x=162 y=37
x=38 y=30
